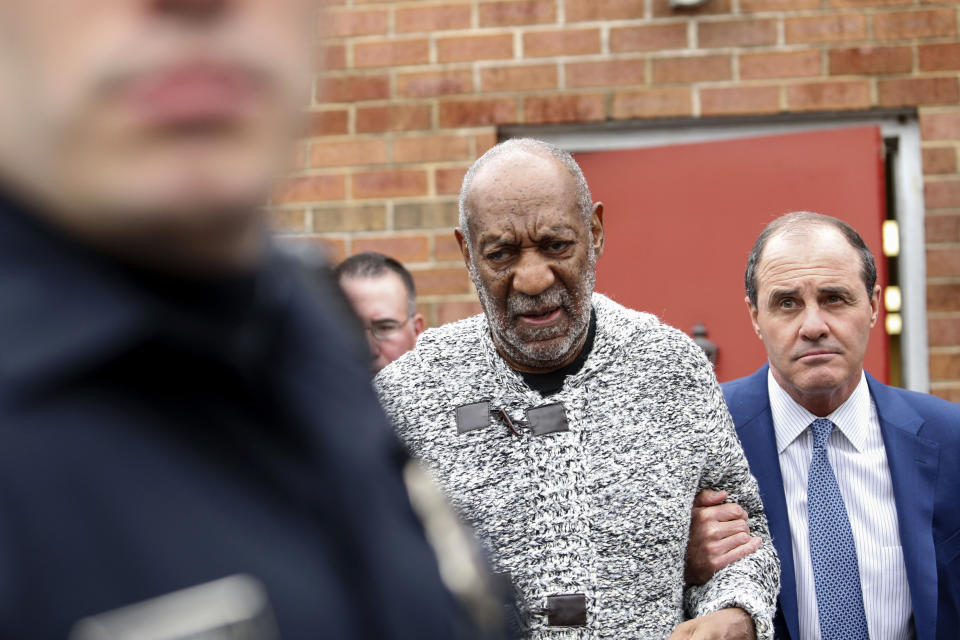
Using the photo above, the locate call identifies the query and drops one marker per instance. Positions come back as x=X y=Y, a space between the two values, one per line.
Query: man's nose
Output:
x=533 y=275
x=813 y=325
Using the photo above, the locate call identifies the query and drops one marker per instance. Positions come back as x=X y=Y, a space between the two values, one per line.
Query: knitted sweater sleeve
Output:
x=752 y=583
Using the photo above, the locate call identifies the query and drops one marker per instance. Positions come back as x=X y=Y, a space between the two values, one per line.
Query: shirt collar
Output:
x=790 y=419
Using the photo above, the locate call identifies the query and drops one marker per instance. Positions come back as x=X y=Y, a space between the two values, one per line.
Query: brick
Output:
x=940 y=126
x=944 y=331
x=780 y=6
x=426 y=215
x=942 y=228
x=389 y=184
x=815 y=96
x=583 y=10
x=517 y=12
x=862 y=60
x=485 y=142
x=606 y=73
x=353 y=88
x=943 y=263
x=391 y=53
x=662 y=9
x=368 y=217
x=940 y=194
x=564 y=108
x=469 y=48
x=561 y=42
x=287 y=220
x=432 y=18
x=949 y=392
x=943 y=296
x=915 y=24
x=446 y=248
x=434 y=83
x=333 y=250
x=652 y=103
x=331 y=57
x=403 y=248
x=786 y=64
x=691 y=69
x=829 y=28
x=917 y=91
x=864 y=4
x=739 y=100
x=944 y=366
x=309 y=188
x=299 y=160
x=655 y=37
x=431 y=149
x=451 y=311
x=939 y=160
x=393 y=118
x=519 y=78
x=345 y=153
x=736 y=33
x=474 y=113
x=446 y=280
x=939 y=57
x=337 y=23
x=448 y=180
x=330 y=122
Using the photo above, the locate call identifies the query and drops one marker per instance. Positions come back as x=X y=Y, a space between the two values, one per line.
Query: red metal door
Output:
x=680 y=222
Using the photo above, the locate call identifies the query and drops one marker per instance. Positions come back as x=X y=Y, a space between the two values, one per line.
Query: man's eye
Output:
x=557 y=246
x=834 y=299
x=386 y=326
x=788 y=303
x=497 y=255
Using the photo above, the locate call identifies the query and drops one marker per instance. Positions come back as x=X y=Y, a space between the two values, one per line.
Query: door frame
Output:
x=897 y=126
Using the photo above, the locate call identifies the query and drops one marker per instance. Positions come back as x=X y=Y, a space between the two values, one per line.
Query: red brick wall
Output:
x=414 y=91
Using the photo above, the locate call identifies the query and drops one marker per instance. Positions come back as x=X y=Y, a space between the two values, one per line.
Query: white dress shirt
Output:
x=859 y=460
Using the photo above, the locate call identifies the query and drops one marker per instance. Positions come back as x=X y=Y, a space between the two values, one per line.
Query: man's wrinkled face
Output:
x=149 y=117
x=814 y=315
x=382 y=304
x=532 y=258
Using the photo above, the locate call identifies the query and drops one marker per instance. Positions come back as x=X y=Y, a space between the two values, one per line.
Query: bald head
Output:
x=518 y=153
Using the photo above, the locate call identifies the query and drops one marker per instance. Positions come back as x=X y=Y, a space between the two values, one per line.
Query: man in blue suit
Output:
x=860 y=481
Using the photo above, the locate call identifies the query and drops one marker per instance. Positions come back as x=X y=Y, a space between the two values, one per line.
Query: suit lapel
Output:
x=760 y=445
x=914 y=463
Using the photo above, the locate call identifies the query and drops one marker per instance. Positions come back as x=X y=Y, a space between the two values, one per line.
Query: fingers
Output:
x=709 y=498
x=720 y=513
x=740 y=551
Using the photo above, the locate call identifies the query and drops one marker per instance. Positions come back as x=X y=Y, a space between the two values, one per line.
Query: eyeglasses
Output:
x=383 y=330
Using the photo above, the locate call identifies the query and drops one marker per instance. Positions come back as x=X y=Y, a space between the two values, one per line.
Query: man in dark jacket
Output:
x=176 y=406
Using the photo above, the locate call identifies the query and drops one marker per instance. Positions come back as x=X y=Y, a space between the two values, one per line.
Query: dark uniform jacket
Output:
x=157 y=434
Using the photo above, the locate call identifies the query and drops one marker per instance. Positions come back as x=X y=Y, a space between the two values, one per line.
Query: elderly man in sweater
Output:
x=570 y=432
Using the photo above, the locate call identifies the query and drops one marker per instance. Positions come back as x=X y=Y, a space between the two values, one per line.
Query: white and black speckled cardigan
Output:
x=604 y=508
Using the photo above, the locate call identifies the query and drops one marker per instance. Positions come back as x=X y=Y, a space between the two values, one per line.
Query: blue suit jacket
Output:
x=921 y=434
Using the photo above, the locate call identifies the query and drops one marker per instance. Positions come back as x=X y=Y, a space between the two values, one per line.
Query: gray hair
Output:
x=533 y=147
x=806 y=219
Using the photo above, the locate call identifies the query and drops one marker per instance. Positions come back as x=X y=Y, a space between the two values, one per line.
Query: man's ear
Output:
x=419 y=324
x=596 y=228
x=464 y=249
x=752 y=310
x=874 y=305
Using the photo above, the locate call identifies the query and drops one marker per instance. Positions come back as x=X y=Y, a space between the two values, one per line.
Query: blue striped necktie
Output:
x=832 y=549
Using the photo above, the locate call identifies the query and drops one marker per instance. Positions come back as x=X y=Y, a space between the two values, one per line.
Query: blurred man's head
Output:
x=152 y=127
x=530 y=237
x=382 y=293
x=813 y=298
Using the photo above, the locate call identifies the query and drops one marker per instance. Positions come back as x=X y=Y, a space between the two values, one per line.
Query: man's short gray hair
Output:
x=534 y=147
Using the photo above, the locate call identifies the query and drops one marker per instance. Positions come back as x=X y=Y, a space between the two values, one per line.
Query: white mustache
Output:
x=522 y=304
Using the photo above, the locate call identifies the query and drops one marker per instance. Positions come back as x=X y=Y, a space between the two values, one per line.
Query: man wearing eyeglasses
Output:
x=382 y=293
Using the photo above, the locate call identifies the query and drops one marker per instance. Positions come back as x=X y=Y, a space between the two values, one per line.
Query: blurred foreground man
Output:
x=384 y=297
x=175 y=406
x=572 y=433
x=859 y=480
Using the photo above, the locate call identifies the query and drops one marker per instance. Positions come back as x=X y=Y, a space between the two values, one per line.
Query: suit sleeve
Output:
x=752 y=583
